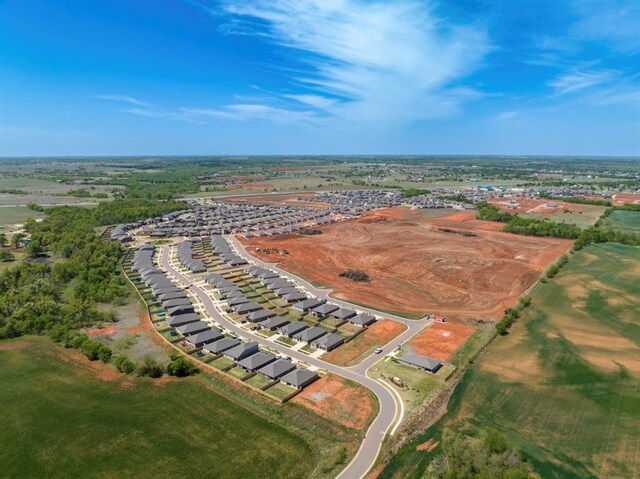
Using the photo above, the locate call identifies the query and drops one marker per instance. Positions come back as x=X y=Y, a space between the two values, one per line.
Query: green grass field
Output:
x=11 y=215
x=61 y=418
x=564 y=385
x=628 y=221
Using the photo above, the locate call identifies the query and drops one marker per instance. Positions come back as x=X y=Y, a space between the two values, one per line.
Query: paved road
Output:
x=389 y=408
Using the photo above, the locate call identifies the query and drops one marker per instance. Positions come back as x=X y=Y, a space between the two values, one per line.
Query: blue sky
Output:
x=116 y=77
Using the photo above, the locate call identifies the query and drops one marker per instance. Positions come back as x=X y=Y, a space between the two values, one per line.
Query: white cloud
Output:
x=614 y=22
x=576 y=80
x=385 y=61
x=124 y=99
x=253 y=111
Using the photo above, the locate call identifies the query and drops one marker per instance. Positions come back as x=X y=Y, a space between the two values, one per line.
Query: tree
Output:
x=3 y=240
x=180 y=367
x=124 y=364
x=150 y=368
x=16 y=239
x=34 y=248
x=465 y=457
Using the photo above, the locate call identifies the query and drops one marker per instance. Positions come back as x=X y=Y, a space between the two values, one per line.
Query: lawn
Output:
x=416 y=386
x=627 y=221
x=69 y=419
x=280 y=391
x=564 y=385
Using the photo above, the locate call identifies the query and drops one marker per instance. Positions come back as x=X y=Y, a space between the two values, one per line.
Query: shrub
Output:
x=180 y=367
x=150 y=368
x=124 y=364
x=354 y=275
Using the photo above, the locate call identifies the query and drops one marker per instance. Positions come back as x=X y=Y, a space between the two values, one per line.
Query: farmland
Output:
x=420 y=264
x=563 y=385
x=627 y=221
x=56 y=403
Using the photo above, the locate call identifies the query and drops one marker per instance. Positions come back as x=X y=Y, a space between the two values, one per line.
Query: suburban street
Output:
x=390 y=411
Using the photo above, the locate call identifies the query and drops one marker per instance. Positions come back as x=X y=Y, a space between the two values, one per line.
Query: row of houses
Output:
x=221 y=248
x=185 y=255
x=182 y=317
x=230 y=218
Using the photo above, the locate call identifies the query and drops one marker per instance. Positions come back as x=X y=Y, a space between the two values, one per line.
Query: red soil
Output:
x=335 y=398
x=13 y=345
x=441 y=340
x=626 y=198
x=415 y=267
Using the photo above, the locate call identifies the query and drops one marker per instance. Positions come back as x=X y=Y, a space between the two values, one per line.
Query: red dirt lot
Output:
x=338 y=399
x=539 y=206
x=415 y=266
x=626 y=198
x=379 y=334
x=441 y=340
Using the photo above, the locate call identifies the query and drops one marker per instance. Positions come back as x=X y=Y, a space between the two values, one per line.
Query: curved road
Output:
x=389 y=408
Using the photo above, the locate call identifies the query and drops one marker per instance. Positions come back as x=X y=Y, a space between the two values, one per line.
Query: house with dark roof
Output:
x=260 y=315
x=274 y=323
x=310 y=334
x=343 y=313
x=328 y=341
x=256 y=361
x=221 y=345
x=241 y=351
x=299 y=378
x=292 y=328
x=180 y=319
x=324 y=310
x=171 y=303
x=237 y=301
x=307 y=304
x=362 y=320
x=247 y=308
x=172 y=295
x=294 y=297
x=204 y=337
x=421 y=362
x=192 y=328
x=276 y=369
x=182 y=309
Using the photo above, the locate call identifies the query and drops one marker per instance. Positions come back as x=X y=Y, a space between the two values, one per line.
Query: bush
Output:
x=150 y=368
x=124 y=364
x=6 y=256
x=180 y=367
x=310 y=231
x=354 y=275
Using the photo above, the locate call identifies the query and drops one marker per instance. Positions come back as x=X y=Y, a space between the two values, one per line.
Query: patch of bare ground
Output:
x=429 y=445
x=415 y=267
x=338 y=399
x=441 y=340
x=13 y=345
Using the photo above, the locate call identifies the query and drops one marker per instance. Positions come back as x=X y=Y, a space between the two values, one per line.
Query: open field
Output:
x=628 y=221
x=12 y=215
x=420 y=264
x=440 y=341
x=563 y=212
x=379 y=334
x=564 y=385
x=66 y=417
x=339 y=400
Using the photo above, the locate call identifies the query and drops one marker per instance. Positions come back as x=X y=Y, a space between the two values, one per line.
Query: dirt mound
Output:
x=414 y=267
